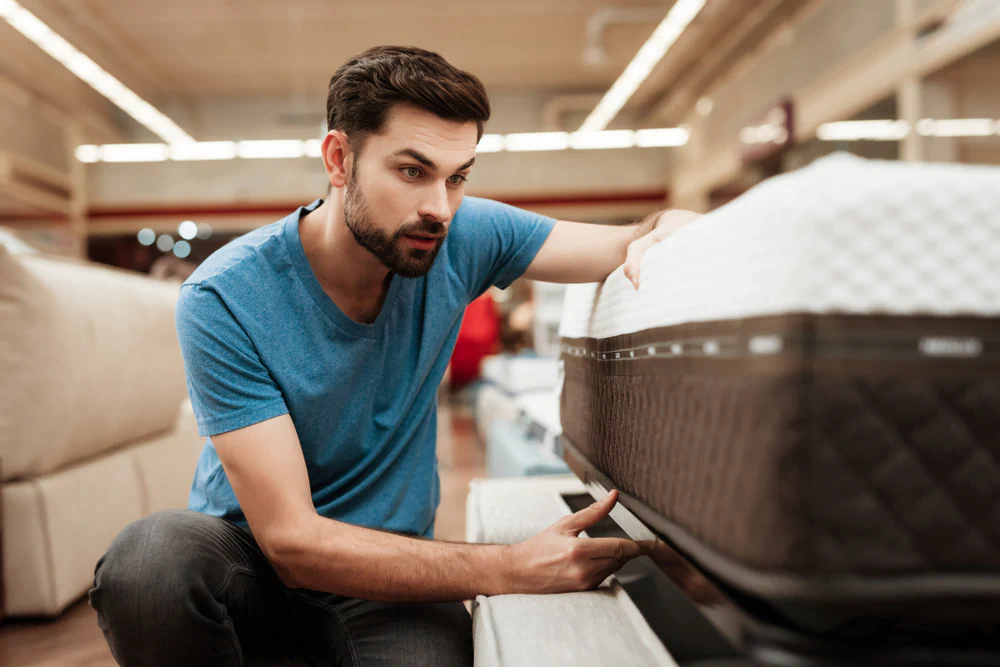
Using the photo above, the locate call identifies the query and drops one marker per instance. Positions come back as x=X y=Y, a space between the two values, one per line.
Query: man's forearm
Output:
x=359 y=562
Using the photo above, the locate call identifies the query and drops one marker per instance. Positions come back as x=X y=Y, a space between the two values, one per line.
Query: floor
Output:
x=73 y=640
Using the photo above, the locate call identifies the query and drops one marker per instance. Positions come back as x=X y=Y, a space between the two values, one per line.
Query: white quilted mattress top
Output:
x=843 y=235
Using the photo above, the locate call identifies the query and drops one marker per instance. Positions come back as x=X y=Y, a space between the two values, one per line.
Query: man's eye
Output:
x=457 y=179
x=411 y=172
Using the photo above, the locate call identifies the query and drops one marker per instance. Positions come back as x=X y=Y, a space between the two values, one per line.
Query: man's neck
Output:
x=349 y=274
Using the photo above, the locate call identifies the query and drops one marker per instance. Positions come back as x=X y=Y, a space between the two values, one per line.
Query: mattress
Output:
x=803 y=395
x=516 y=374
x=539 y=412
x=513 y=451
x=492 y=404
x=598 y=627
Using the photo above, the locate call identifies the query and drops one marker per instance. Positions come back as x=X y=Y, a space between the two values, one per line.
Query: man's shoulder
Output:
x=475 y=219
x=478 y=207
x=238 y=256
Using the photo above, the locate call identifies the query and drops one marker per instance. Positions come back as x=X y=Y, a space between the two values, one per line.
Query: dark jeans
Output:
x=180 y=588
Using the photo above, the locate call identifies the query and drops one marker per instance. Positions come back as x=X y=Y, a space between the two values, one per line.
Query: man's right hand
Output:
x=558 y=561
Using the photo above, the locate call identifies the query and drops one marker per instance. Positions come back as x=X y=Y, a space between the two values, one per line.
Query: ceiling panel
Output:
x=260 y=47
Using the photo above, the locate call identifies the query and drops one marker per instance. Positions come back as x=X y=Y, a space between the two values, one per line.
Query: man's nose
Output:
x=435 y=205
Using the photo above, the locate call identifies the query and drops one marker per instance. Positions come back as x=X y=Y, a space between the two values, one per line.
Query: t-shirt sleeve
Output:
x=493 y=243
x=229 y=385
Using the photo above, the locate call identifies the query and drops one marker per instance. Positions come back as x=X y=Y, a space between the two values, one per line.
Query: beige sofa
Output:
x=95 y=430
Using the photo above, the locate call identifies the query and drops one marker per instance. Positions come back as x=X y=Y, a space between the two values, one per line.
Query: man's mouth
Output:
x=422 y=241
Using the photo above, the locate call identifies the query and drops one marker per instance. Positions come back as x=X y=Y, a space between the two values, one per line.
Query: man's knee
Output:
x=144 y=556
x=424 y=634
x=148 y=577
x=454 y=635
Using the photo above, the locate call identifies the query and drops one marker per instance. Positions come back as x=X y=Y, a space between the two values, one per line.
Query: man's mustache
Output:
x=423 y=228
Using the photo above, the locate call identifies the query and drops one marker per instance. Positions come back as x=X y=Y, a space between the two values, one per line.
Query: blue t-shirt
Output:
x=261 y=338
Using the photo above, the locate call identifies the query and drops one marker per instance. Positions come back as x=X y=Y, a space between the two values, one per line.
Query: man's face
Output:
x=407 y=185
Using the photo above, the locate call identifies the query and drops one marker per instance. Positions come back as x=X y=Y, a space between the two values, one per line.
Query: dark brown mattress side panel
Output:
x=905 y=473
x=716 y=454
x=848 y=451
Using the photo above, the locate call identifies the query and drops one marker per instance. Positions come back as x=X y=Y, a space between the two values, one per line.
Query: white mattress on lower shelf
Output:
x=542 y=409
x=586 y=629
x=516 y=374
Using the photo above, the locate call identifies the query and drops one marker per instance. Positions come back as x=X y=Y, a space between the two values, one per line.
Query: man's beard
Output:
x=389 y=249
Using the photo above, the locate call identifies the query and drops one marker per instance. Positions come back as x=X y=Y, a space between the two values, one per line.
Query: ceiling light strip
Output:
x=490 y=143
x=896 y=130
x=669 y=30
x=91 y=73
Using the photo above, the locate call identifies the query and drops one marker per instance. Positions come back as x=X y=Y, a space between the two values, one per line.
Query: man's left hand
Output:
x=664 y=223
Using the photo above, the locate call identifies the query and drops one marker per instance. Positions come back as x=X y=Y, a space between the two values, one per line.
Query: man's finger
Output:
x=667 y=223
x=612 y=548
x=588 y=516
x=633 y=258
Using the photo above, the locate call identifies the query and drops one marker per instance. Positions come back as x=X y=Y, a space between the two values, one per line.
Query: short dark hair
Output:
x=366 y=87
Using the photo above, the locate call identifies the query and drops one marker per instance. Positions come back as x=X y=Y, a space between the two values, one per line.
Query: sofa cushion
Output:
x=166 y=464
x=57 y=526
x=89 y=360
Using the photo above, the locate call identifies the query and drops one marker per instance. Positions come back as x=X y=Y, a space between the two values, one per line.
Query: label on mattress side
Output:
x=943 y=346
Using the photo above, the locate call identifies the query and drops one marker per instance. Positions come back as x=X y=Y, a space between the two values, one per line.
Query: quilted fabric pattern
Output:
x=905 y=474
x=843 y=235
x=801 y=472
x=713 y=454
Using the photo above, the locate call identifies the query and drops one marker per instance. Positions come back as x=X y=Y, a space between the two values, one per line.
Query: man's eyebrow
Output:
x=427 y=162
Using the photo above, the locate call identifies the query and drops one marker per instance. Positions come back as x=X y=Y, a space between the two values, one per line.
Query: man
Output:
x=313 y=349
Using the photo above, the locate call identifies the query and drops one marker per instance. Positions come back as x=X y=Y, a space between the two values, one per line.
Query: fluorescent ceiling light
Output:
x=670 y=28
x=894 y=130
x=204 y=150
x=863 y=130
x=87 y=152
x=490 y=143
x=8 y=8
x=272 y=149
x=134 y=152
x=90 y=72
x=314 y=148
x=956 y=127
x=602 y=139
x=667 y=136
x=537 y=141
x=763 y=134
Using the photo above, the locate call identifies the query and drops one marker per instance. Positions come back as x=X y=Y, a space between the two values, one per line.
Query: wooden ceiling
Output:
x=173 y=52
x=281 y=47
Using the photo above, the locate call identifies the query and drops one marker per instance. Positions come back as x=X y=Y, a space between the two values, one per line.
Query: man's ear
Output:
x=336 y=150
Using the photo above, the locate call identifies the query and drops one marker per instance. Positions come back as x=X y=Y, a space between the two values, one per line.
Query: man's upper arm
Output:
x=265 y=465
x=493 y=243
x=239 y=404
x=229 y=385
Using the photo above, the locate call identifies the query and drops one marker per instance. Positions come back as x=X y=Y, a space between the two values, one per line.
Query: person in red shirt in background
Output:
x=478 y=337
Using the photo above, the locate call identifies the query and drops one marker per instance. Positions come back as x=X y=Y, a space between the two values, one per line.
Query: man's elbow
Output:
x=285 y=547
